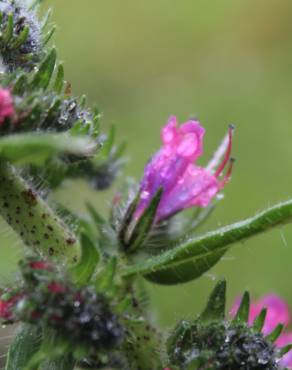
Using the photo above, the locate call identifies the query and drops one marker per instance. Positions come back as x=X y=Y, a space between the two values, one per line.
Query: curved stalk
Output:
x=32 y=219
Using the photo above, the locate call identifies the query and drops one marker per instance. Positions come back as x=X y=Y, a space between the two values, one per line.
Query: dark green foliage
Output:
x=25 y=345
x=136 y=235
x=81 y=316
x=215 y=308
x=222 y=346
x=212 y=342
x=20 y=43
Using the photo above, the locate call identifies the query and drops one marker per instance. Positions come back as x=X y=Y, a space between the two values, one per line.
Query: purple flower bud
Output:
x=173 y=169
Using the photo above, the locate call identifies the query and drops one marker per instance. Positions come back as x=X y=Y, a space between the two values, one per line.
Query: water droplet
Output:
x=145 y=194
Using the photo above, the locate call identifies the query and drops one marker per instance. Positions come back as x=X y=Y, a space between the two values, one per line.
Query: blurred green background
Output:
x=224 y=61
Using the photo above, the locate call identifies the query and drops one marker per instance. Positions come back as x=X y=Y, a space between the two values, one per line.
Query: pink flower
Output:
x=277 y=313
x=55 y=287
x=6 y=105
x=173 y=169
x=7 y=305
x=41 y=265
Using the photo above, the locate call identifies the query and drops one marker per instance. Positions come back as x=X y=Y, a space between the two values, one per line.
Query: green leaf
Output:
x=260 y=321
x=59 y=82
x=49 y=35
x=96 y=217
x=274 y=335
x=193 y=258
x=86 y=266
x=24 y=346
x=105 y=281
x=53 y=354
x=243 y=310
x=144 y=224
x=36 y=148
x=43 y=76
x=65 y=362
x=46 y=18
x=8 y=32
x=215 y=309
x=21 y=38
x=127 y=218
x=20 y=84
x=108 y=144
x=35 y=4
x=284 y=350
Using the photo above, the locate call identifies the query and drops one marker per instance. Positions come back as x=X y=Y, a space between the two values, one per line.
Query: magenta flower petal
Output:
x=196 y=187
x=6 y=105
x=173 y=169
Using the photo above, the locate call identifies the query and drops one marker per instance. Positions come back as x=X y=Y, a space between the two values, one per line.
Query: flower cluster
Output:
x=277 y=313
x=173 y=169
x=80 y=314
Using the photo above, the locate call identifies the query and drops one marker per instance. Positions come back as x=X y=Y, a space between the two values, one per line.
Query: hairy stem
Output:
x=197 y=255
x=32 y=219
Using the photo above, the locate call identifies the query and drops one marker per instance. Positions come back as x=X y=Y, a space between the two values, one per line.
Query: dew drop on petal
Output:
x=145 y=194
x=188 y=146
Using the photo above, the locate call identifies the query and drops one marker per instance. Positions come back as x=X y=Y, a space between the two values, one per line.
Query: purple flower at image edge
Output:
x=6 y=105
x=173 y=168
x=277 y=313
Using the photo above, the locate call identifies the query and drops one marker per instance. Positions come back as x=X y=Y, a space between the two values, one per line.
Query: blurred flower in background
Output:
x=277 y=313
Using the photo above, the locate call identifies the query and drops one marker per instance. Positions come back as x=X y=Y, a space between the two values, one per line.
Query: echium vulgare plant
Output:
x=77 y=299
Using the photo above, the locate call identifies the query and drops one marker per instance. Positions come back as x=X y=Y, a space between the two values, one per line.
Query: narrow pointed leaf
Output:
x=25 y=344
x=49 y=35
x=46 y=69
x=274 y=335
x=284 y=350
x=193 y=258
x=260 y=320
x=36 y=148
x=127 y=218
x=59 y=82
x=120 y=150
x=20 y=84
x=8 y=32
x=104 y=281
x=46 y=19
x=243 y=310
x=107 y=146
x=88 y=262
x=22 y=37
x=215 y=309
x=82 y=101
x=35 y=4
x=96 y=217
x=144 y=224
x=65 y=362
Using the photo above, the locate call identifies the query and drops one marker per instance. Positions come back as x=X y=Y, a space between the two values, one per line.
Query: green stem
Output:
x=198 y=255
x=24 y=346
x=32 y=219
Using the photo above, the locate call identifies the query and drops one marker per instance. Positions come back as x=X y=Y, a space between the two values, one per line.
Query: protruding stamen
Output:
x=227 y=176
x=227 y=153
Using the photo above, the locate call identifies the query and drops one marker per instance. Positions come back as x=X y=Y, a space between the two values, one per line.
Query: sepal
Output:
x=142 y=227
